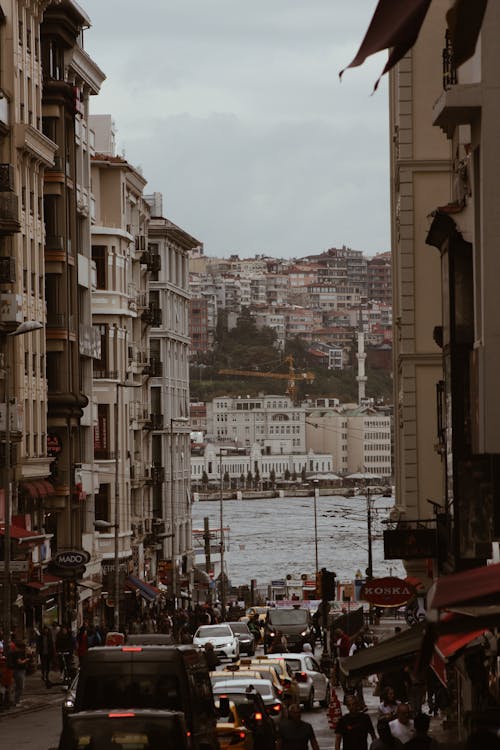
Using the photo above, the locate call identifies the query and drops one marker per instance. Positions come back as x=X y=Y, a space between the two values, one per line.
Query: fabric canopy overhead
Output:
x=387 y=654
x=146 y=590
x=396 y=25
x=475 y=587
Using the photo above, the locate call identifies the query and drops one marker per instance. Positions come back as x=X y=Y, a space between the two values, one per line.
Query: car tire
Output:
x=326 y=701
x=309 y=704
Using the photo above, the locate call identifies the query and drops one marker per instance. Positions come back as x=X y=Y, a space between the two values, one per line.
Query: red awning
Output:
x=23 y=535
x=448 y=646
x=31 y=489
x=48 y=582
x=478 y=586
x=49 y=487
x=415 y=582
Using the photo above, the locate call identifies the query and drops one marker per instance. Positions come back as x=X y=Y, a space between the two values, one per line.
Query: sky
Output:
x=234 y=111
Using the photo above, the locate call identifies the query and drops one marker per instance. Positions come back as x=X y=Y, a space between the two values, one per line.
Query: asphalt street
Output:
x=34 y=730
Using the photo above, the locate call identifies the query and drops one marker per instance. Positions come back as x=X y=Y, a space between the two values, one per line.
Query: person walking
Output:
x=402 y=726
x=388 y=704
x=354 y=728
x=20 y=661
x=47 y=653
x=385 y=741
x=294 y=733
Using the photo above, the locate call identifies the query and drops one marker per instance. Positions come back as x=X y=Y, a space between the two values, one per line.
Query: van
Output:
x=294 y=623
x=171 y=678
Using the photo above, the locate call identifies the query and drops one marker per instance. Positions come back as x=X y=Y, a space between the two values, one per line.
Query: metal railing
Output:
x=449 y=68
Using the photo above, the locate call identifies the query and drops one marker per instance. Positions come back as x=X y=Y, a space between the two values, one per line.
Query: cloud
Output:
x=234 y=111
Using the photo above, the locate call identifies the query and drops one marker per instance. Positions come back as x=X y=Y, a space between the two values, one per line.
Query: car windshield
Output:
x=239 y=627
x=213 y=631
x=294 y=664
x=124 y=734
x=288 y=616
x=130 y=691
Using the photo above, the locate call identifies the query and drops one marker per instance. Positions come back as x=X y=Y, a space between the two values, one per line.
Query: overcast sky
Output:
x=234 y=111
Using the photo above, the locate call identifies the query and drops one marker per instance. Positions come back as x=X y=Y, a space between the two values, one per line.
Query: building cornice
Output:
x=86 y=69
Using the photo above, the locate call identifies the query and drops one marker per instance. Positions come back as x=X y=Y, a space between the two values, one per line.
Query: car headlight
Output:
x=304 y=632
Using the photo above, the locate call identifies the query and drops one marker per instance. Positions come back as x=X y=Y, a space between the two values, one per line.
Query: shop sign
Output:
x=410 y=544
x=73 y=558
x=387 y=592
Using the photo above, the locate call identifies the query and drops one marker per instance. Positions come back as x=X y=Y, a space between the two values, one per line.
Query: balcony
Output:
x=59 y=320
x=155 y=367
x=151 y=260
x=158 y=474
x=54 y=243
x=106 y=374
x=460 y=103
x=152 y=316
x=157 y=421
x=9 y=213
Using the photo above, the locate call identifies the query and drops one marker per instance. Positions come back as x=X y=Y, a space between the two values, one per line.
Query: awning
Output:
x=387 y=654
x=23 y=535
x=447 y=647
x=48 y=582
x=146 y=590
x=475 y=587
x=396 y=25
x=30 y=489
x=200 y=575
x=37 y=488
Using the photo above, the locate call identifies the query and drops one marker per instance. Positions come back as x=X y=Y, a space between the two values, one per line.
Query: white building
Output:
x=236 y=463
x=272 y=422
x=357 y=437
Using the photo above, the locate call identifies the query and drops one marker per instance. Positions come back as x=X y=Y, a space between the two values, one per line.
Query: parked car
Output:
x=313 y=684
x=245 y=637
x=137 y=729
x=222 y=638
x=253 y=715
x=294 y=623
x=147 y=677
x=234 y=686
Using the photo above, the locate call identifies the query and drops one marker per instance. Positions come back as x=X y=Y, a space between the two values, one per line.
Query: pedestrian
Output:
x=47 y=653
x=19 y=662
x=211 y=657
x=354 y=728
x=421 y=740
x=388 y=704
x=386 y=741
x=402 y=725
x=82 y=642
x=294 y=733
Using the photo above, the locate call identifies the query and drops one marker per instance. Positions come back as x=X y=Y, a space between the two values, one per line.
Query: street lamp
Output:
x=221 y=519
x=23 y=328
x=173 y=420
x=316 y=494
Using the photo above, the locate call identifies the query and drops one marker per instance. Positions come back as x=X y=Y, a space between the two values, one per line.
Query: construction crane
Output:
x=291 y=376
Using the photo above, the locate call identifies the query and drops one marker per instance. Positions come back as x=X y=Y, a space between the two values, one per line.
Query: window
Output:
x=99 y=256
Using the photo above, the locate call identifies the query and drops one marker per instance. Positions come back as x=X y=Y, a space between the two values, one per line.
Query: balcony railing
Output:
x=152 y=315
x=106 y=374
x=151 y=260
x=449 y=68
x=157 y=421
x=155 y=367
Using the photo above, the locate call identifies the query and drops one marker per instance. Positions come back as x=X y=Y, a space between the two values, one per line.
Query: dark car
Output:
x=254 y=715
x=294 y=623
x=171 y=678
x=125 y=729
x=245 y=637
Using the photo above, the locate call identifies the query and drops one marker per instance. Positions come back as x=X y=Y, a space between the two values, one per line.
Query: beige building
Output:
x=123 y=313
x=169 y=387
x=420 y=180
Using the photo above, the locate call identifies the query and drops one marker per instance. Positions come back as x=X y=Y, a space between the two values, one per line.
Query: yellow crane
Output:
x=291 y=376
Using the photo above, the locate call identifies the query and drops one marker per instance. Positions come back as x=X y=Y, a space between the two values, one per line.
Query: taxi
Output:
x=248 y=669
x=287 y=677
x=231 y=730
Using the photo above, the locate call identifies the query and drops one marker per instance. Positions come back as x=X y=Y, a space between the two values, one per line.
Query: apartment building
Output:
x=273 y=320
x=420 y=181
x=123 y=313
x=272 y=422
x=379 y=278
x=357 y=437
x=169 y=388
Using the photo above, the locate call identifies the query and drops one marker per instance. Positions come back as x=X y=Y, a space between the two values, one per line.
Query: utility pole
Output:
x=369 y=570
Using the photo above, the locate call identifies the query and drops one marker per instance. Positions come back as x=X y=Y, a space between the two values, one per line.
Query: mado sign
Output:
x=387 y=592
x=71 y=558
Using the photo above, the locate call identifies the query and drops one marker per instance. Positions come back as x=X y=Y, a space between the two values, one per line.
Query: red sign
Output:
x=387 y=592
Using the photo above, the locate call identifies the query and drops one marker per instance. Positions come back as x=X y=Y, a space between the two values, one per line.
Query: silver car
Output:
x=313 y=684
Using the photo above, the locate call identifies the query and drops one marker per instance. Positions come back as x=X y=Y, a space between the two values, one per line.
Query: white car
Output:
x=222 y=638
x=313 y=684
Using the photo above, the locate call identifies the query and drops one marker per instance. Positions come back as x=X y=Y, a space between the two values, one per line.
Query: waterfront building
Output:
x=270 y=421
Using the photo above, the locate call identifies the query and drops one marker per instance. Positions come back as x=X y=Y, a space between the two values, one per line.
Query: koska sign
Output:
x=72 y=558
x=387 y=592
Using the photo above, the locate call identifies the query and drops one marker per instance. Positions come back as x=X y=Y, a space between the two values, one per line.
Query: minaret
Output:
x=361 y=357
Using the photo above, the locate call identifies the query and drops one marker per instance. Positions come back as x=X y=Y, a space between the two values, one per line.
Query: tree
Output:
x=226 y=479
x=204 y=479
x=256 y=477
x=287 y=474
x=303 y=474
x=294 y=475
x=242 y=480
x=249 y=479
x=272 y=477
